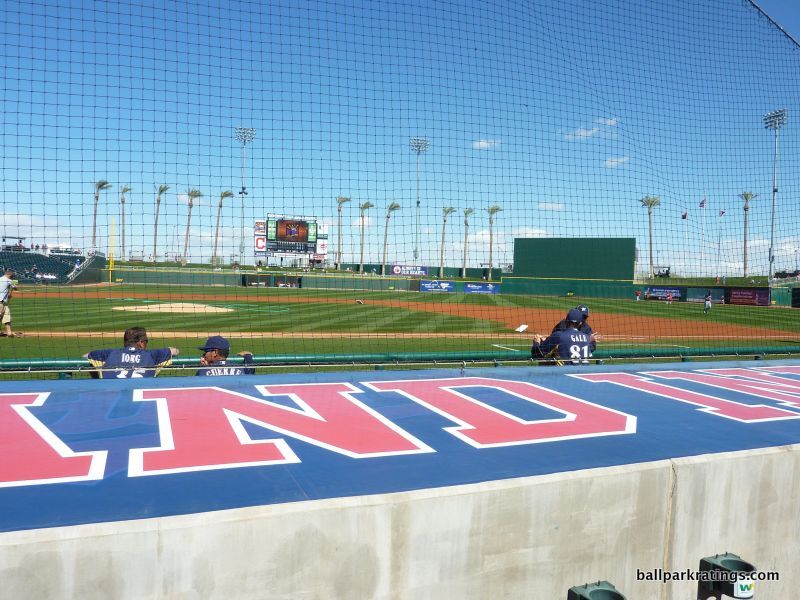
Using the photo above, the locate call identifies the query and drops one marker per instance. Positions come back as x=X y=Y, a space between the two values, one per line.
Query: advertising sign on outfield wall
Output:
x=661 y=293
x=482 y=288
x=750 y=296
x=427 y=285
x=409 y=270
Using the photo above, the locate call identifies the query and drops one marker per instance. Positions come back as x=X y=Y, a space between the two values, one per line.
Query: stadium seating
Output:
x=48 y=269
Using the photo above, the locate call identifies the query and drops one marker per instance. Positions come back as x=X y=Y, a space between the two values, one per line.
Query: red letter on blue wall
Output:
x=31 y=454
x=202 y=428
x=483 y=426
x=720 y=407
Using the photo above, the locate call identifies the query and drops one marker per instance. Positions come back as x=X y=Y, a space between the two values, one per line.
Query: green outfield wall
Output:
x=578 y=258
x=344 y=281
x=356 y=282
x=592 y=288
x=174 y=277
x=782 y=295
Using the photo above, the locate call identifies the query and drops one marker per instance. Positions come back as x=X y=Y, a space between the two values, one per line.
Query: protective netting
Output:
x=302 y=177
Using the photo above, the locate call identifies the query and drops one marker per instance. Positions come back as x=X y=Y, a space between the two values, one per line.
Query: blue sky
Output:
x=564 y=114
x=785 y=13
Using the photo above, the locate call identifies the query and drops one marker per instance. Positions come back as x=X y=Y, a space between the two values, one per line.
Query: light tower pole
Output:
x=244 y=135
x=419 y=145
x=774 y=120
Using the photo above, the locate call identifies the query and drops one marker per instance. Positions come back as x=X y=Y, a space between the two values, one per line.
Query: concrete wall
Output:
x=520 y=538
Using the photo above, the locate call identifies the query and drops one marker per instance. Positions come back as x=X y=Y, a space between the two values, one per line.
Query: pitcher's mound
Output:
x=176 y=307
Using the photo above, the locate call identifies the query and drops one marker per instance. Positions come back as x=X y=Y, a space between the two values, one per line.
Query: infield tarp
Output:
x=86 y=451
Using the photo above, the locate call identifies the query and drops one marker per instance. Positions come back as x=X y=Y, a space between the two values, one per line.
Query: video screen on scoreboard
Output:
x=291 y=231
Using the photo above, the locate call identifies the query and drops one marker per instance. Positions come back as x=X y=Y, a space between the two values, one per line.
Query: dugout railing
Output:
x=187 y=365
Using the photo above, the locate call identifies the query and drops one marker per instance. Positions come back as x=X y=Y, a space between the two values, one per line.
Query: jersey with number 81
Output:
x=569 y=345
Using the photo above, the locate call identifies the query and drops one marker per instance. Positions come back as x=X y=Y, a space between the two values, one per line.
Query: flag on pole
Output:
x=722 y=212
x=703 y=203
x=684 y=215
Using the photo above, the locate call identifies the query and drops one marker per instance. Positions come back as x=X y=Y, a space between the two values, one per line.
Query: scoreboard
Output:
x=285 y=236
x=290 y=241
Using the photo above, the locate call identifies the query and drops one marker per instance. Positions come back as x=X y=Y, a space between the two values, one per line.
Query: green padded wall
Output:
x=575 y=258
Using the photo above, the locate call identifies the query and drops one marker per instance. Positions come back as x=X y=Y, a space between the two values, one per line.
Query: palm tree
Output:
x=467 y=213
x=340 y=201
x=192 y=193
x=161 y=189
x=492 y=210
x=222 y=196
x=446 y=212
x=98 y=187
x=389 y=210
x=125 y=190
x=363 y=208
x=651 y=202
x=746 y=196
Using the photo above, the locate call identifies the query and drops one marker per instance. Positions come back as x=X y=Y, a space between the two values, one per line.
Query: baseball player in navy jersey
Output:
x=583 y=328
x=215 y=356
x=132 y=361
x=566 y=346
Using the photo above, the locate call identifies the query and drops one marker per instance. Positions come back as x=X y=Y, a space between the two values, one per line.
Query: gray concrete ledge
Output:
x=519 y=538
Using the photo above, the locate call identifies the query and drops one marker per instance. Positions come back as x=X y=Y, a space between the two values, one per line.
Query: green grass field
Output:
x=292 y=322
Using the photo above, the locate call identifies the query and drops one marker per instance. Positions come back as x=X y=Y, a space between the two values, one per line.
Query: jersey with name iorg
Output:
x=129 y=362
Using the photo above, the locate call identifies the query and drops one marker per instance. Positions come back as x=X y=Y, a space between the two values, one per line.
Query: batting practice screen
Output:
x=579 y=258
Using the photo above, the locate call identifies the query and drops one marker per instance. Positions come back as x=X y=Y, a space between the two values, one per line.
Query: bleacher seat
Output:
x=22 y=263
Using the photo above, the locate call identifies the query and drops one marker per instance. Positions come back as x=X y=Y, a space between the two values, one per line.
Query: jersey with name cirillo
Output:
x=129 y=362
x=221 y=368
x=568 y=346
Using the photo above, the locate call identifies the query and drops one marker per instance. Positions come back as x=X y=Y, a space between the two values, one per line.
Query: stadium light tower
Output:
x=420 y=146
x=774 y=120
x=244 y=135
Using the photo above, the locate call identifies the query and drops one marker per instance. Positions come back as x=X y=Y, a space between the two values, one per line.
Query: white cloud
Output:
x=615 y=161
x=485 y=144
x=552 y=206
x=355 y=224
x=608 y=122
x=40 y=230
x=530 y=232
x=11 y=220
x=184 y=199
x=582 y=132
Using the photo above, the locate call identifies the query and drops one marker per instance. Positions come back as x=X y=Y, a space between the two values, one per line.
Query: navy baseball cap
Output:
x=575 y=315
x=584 y=310
x=216 y=342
